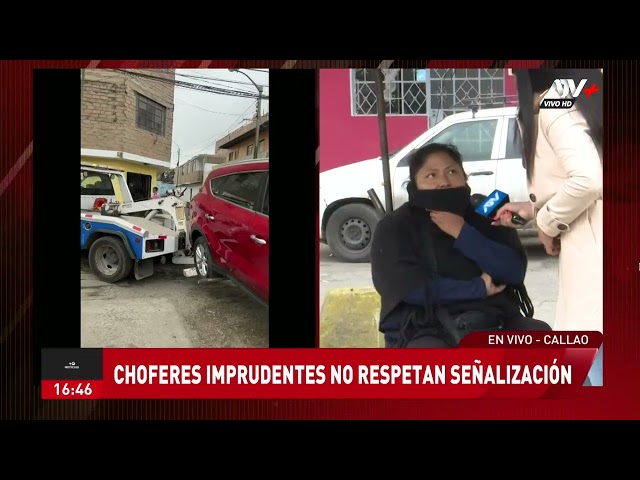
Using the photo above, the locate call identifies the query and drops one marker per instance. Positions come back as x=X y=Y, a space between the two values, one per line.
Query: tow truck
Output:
x=124 y=236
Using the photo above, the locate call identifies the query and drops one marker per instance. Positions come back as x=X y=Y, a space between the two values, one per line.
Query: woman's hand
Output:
x=449 y=223
x=504 y=214
x=551 y=244
x=492 y=289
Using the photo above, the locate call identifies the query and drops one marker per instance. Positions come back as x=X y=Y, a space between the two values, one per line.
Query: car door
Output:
x=206 y=213
x=258 y=252
x=241 y=228
x=478 y=140
x=511 y=173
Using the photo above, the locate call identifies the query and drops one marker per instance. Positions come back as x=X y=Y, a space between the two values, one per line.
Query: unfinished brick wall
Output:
x=109 y=119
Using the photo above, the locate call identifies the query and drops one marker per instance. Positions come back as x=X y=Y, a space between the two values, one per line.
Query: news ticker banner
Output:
x=485 y=365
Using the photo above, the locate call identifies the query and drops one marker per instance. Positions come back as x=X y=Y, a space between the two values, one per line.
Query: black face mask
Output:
x=453 y=200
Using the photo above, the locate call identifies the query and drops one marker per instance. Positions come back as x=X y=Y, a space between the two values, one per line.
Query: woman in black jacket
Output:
x=437 y=263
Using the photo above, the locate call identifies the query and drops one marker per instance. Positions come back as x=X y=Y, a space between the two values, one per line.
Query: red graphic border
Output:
x=618 y=399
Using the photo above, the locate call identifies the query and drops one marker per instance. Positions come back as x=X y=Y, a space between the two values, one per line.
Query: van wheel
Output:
x=109 y=259
x=350 y=230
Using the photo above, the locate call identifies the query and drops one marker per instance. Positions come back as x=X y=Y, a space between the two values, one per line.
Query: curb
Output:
x=349 y=319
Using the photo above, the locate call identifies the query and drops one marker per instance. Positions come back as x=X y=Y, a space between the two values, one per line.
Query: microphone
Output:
x=477 y=199
x=492 y=203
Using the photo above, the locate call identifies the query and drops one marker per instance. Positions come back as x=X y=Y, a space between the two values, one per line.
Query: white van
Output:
x=489 y=142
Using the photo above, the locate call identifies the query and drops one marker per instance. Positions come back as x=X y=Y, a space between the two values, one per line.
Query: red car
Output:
x=230 y=226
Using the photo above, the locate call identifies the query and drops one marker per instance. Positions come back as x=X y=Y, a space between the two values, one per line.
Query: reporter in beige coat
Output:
x=562 y=150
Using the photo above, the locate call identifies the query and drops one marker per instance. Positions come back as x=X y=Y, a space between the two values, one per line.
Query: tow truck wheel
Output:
x=203 y=259
x=109 y=260
x=350 y=231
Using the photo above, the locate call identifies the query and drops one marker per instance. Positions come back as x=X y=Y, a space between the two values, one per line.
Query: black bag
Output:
x=458 y=322
x=457 y=326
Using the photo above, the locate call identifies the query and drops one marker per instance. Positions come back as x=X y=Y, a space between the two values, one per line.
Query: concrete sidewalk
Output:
x=541 y=280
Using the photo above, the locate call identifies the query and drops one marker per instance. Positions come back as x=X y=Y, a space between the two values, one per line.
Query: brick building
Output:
x=241 y=142
x=127 y=122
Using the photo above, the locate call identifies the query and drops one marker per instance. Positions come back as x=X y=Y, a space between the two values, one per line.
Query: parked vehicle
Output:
x=123 y=236
x=96 y=183
x=230 y=225
x=489 y=143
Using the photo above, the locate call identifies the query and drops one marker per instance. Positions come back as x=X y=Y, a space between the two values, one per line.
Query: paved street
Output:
x=168 y=310
x=541 y=281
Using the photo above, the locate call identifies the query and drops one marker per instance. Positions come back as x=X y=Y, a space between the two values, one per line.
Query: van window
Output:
x=514 y=141
x=474 y=139
x=95 y=183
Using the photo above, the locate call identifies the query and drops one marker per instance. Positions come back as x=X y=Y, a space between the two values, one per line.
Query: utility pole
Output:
x=384 y=148
x=258 y=110
x=258 y=115
x=173 y=141
x=175 y=172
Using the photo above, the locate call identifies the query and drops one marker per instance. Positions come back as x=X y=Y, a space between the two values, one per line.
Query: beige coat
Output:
x=566 y=191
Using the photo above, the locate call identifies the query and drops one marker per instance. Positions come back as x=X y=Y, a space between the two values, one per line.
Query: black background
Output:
x=293 y=143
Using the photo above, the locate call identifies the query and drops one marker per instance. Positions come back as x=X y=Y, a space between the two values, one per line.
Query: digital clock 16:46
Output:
x=63 y=389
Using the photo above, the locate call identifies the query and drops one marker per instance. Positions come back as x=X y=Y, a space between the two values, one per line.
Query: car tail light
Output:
x=98 y=202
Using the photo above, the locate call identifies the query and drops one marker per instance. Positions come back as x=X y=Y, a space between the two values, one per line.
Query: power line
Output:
x=199 y=77
x=195 y=86
x=199 y=87
x=209 y=81
x=229 y=129
x=222 y=133
x=212 y=81
x=207 y=110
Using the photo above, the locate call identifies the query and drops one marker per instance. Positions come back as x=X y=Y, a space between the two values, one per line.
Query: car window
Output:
x=242 y=189
x=474 y=139
x=94 y=183
x=265 y=205
x=216 y=183
x=514 y=140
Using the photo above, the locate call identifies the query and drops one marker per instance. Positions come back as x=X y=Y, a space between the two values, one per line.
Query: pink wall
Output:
x=346 y=139
x=510 y=90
